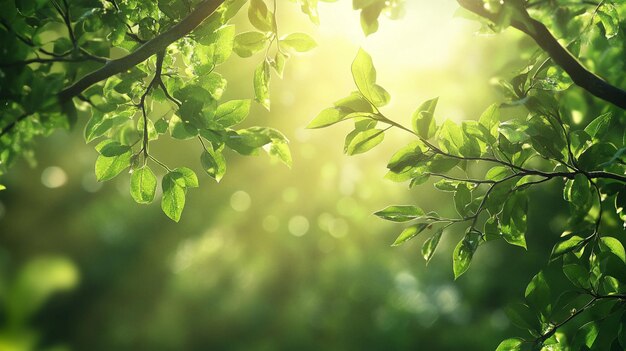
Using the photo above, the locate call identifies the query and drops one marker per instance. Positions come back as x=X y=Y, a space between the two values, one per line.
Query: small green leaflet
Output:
x=278 y=63
x=2 y=187
x=213 y=163
x=572 y=243
x=364 y=141
x=298 y=42
x=461 y=258
x=599 y=126
x=538 y=293
x=328 y=117
x=232 y=112
x=513 y=344
x=182 y=130
x=173 y=200
x=401 y=213
x=114 y=158
x=99 y=123
x=609 y=17
x=279 y=150
x=248 y=43
x=423 y=119
x=462 y=198
x=614 y=246
x=262 y=84
x=522 y=316
x=490 y=119
x=143 y=184
x=364 y=75
x=430 y=245
x=586 y=335
x=464 y=252
x=409 y=233
x=260 y=17
x=513 y=219
x=161 y=126
x=189 y=178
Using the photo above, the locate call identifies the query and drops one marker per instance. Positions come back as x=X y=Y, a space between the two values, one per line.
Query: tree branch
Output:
x=559 y=54
x=151 y=47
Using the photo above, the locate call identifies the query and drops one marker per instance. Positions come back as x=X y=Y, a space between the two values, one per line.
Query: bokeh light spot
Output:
x=53 y=177
x=240 y=201
x=298 y=225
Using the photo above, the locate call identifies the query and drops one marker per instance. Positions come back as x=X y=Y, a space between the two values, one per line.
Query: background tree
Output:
x=165 y=80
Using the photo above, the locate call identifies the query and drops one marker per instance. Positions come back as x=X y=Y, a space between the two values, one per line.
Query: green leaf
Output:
x=260 y=16
x=213 y=163
x=490 y=119
x=401 y=213
x=278 y=63
x=161 y=126
x=113 y=159
x=222 y=41
x=513 y=219
x=596 y=156
x=513 y=344
x=355 y=102
x=586 y=335
x=451 y=138
x=462 y=197
x=248 y=43
x=2 y=187
x=279 y=150
x=99 y=123
x=298 y=42
x=492 y=229
x=182 y=130
x=464 y=252
x=609 y=17
x=232 y=112
x=262 y=84
x=189 y=178
x=143 y=184
x=572 y=243
x=498 y=173
x=599 y=126
x=369 y=16
x=364 y=75
x=430 y=245
x=614 y=246
x=538 y=293
x=365 y=141
x=409 y=233
x=522 y=316
x=577 y=274
x=407 y=158
x=328 y=117
x=423 y=119
x=173 y=200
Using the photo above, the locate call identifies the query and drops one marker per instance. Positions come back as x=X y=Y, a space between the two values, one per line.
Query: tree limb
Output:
x=151 y=47
x=559 y=54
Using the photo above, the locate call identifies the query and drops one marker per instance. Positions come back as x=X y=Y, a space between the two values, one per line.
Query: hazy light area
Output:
x=425 y=38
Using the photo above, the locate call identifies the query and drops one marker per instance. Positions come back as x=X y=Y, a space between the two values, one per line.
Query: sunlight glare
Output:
x=425 y=37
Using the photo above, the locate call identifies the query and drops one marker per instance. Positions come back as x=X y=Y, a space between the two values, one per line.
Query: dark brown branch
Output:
x=158 y=43
x=559 y=54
